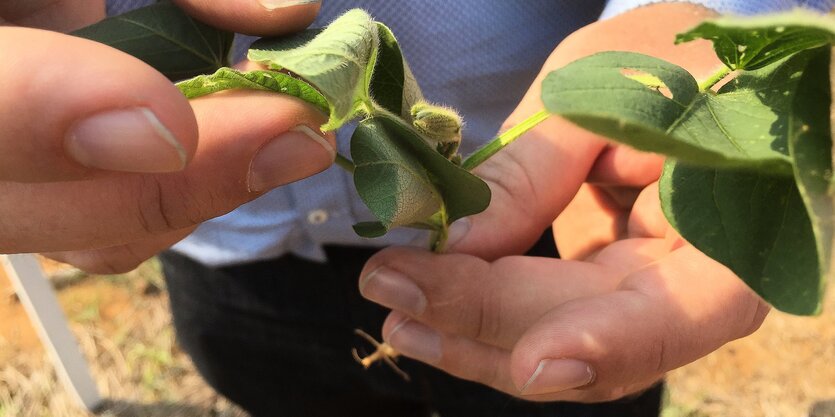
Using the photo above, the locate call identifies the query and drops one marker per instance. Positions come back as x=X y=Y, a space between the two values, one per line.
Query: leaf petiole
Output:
x=487 y=151
x=714 y=79
x=344 y=162
x=441 y=234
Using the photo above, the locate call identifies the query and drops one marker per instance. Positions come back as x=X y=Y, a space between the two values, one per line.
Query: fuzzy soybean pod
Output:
x=440 y=125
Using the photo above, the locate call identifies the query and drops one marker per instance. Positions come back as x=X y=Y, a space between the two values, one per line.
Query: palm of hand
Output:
x=629 y=302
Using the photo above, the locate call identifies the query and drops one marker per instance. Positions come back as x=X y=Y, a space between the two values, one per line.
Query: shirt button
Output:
x=317 y=217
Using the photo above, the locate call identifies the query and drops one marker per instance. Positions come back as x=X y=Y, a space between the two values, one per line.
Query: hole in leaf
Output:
x=647 y=79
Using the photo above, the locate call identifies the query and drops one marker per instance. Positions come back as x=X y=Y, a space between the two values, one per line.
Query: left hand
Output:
x=119 y=165
x=565 y=330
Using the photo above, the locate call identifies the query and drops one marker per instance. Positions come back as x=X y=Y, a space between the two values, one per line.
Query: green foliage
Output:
x=810 y=145
x=338 y=61
x=355 y=62
x=750 y=178
x=228 y=79
x=773 y=231
x=403 y=181
x=753 y=223
x=752 y=43
x=393 y=85
x=355 y=68
x=166 y=38
x=730 y=129
x=749 y=181
x=389 y=178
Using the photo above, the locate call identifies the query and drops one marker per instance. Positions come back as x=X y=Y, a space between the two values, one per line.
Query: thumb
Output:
x=535 y=178
x=72 y=108
x=531 y=181
x=261 y=17
x=663 y=316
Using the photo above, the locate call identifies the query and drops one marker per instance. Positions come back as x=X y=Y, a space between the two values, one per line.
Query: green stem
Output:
x=440 y=236
x=714 y=79
x=344 y=162
x=485 y=152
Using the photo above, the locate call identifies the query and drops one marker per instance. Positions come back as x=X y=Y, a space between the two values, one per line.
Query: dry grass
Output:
x=124 y=328
x=123 y=324
x=782 y=370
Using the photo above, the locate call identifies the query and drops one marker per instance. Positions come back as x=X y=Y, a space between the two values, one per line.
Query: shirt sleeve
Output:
x=741 y=7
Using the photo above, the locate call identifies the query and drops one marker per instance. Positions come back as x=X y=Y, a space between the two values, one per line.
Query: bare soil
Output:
x=124 y=328
x=782 y=370
x=123 y=325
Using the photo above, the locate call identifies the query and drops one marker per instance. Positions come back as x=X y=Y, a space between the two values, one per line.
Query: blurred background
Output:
x=786 y=369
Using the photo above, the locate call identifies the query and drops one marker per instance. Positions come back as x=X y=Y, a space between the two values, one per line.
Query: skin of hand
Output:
x=101 y=162
x=629 y=301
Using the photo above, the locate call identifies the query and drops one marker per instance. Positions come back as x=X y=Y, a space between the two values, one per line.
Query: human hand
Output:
x=535 y=178
x=634 y=301
x=559 y=330
x=99 y=155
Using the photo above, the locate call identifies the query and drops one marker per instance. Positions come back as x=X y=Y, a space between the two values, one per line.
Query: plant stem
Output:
x=485 y=152
x=714 y=79
x=440 y=236
x=344 y=162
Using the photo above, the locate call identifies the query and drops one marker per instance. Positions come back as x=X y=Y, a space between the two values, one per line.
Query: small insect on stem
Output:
x=384 y=353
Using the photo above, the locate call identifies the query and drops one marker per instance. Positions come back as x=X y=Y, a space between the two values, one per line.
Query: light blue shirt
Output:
x=477 y=56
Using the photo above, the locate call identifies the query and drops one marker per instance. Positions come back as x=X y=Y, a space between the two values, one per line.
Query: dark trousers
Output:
x=275 y=337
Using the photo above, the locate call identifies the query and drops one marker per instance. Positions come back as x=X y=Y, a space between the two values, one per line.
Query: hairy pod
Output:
x=440 y=126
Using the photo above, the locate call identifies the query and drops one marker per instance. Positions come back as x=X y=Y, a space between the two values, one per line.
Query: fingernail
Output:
x=296 y=154
x=393 y=290
x=458 y=230
x=416 y=341
x=128 y=140
x=557 y=375
x=278 y=4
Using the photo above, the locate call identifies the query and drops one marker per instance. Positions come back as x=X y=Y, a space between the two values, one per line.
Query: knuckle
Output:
x=745 y=311
x=756 y=316
x=491 y=306
x=151 y=213
x=658 y=356
x=464 y=305
x=510 y=176
x=164 y=208
x=485 y=372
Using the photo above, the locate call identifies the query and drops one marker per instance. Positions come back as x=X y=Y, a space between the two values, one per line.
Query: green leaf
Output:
x=774 y=231
x=370 y=229
x=752 y=43
x=810 y=145
x=739 y=127
x=166 y=38
x=336 y=60
x=389 y=178
x=393 y=85
x=403 y=181
x=751 y=222
x=227 y=78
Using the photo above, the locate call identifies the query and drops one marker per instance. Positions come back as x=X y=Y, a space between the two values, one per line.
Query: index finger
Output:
x=254 y=17
x=490 y=302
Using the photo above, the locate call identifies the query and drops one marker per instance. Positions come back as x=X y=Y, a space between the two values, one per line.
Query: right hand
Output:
x=628 y=301
x=100 y=162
